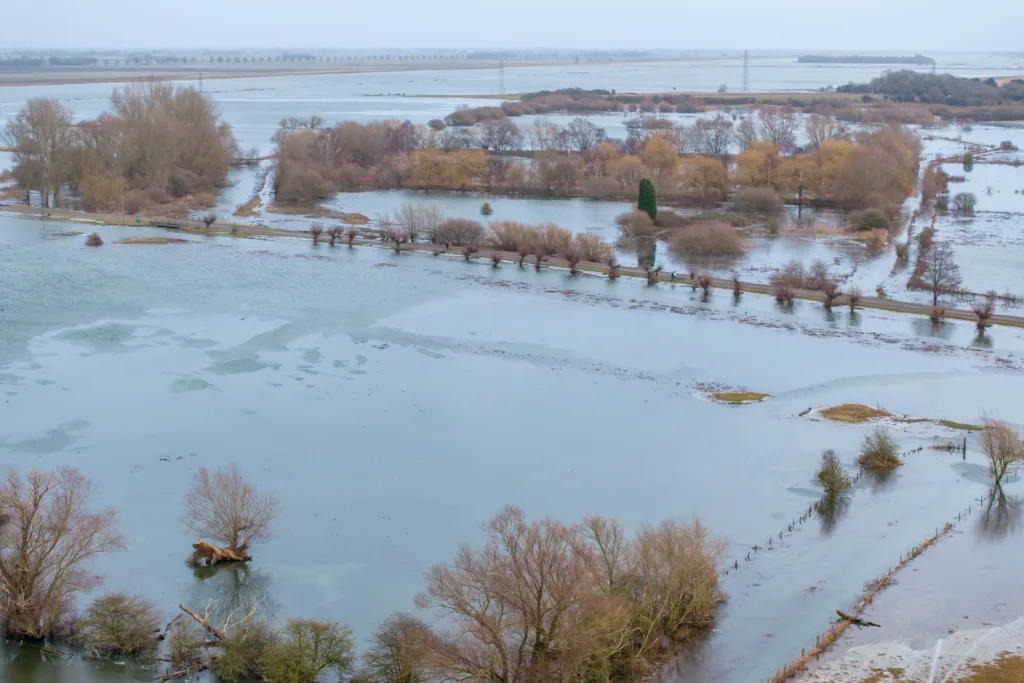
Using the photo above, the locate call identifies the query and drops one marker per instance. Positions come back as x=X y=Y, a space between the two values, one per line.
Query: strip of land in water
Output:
x=237 y=229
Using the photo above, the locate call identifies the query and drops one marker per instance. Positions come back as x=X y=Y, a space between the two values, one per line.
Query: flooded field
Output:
x=394 y=403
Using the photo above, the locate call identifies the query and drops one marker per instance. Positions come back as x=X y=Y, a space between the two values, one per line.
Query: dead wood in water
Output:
x=856 y=621
x=204 y=621
x=206 y=554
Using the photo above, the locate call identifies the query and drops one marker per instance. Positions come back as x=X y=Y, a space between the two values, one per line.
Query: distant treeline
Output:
x=913 y=86
x=28 y=62
x=865 y=59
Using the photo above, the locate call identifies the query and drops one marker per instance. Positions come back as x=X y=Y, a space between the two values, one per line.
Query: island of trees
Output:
x=864 y=59
x=914 y=86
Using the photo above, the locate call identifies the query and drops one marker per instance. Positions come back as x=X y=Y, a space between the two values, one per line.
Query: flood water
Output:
x=394 y=403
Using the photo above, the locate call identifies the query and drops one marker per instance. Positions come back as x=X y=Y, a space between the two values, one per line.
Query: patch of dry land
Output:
x=985 y=655
x=739 y=397
x=854 y=413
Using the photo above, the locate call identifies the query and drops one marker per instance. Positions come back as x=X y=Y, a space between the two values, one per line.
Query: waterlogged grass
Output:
x=151 y=240
x=1007 y=669
x=854 y=413
x=739 y=397
x=964 y=426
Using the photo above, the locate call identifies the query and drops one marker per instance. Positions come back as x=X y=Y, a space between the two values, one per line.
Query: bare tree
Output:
x=714 y=135
x=778 y=126
x=941 y=273
x=209 y=219
x=316 y=229
x=746 y=132
x=1004 y=448
x=351 y=234
x=42 y=137
x=420 y=219
x=223 y=507
x=500 y=135
x=823 y=128
x=583 y=134
x=394 y=234
x=47 y=536
x=400 y=651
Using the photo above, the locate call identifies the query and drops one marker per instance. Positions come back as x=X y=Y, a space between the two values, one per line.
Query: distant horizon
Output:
x=507 y=48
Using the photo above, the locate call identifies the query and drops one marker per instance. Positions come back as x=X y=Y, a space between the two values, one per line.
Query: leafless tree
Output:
x=572 y=253
x=223 y=507
x=983 y=312
x=831 y=292
x=400 y=651
x=778 y=126
x=316 y=229
x=714 y=135
x=583 y=134
x=209 y=219
x=746 y=132
x=48 y=534
x=941 y=273
x=334 y=233
x=351 y=234
x=853 y=298
x=500 y=135
x=420 y=219
x=469 y=249
x=42 y=136
x=824 y=128
x=394 y=234
x=1004 y=448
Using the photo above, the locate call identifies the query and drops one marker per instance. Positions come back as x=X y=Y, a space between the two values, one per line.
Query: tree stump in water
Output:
x=206 y=554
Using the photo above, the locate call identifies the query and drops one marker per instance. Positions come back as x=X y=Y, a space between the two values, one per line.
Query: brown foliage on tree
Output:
x=224 y=507
x=42 y=137
x=48 y=534
x=548 y=602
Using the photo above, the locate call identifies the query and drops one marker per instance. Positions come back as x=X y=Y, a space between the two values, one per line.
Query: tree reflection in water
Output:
x=830 y=510
x=234 y=588
x=1001 y=515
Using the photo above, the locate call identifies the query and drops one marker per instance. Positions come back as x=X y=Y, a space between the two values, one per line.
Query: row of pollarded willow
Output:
x=581 y=600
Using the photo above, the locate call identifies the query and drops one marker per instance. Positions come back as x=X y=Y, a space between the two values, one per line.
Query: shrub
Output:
x=902 y=251
x=763 y=200
x=306 y=650
x=708 y=238
x=831 y=475
x=316 y=229
x=869 y=219
x=486 y=209
x=334 y=233
x=118 y=624
x=460 y=231
x=134 y=202
x=186 y=645
x=964 y=203
x=602 y=187
x=737 y=286
x=469 y=249
x=495 y=259
x=351 y=234
x=937 y=314
x=240 y=657
x=156 y=195
x=93 y=239
x=636 y=224
x=879 y=452
x=704 y=282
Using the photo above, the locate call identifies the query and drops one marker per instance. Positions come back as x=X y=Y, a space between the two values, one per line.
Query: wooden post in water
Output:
x=965 y=448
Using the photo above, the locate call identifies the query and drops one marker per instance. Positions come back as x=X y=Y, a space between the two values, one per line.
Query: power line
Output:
x=746 y=66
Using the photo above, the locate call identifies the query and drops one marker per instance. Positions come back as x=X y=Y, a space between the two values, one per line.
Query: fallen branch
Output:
x=205 y=623
x=204 y=553
x=856 y=621
x=179 y=674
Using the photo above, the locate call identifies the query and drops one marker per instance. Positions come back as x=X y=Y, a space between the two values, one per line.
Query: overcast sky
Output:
x=900 y=26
